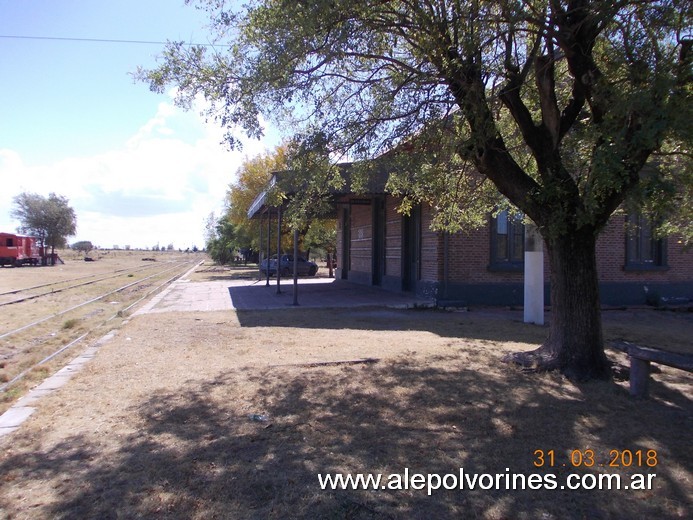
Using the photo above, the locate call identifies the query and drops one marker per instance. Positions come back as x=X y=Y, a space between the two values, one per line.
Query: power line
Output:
x=101 y=40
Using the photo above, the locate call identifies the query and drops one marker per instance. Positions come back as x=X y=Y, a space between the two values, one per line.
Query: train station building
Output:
x=380 y=247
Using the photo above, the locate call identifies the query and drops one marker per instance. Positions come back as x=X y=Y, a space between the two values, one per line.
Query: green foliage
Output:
x=50 y=219
x=321 y=236
x=252 y=178
x=84 y=246
x=558 y=104
x=665 y=193
x=302 y=167
x=70 y=324
x=220 y=242
x=554 y=107
x=306 y=186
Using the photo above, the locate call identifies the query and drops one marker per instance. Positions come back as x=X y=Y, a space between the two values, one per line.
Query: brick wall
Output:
x=431 y=249
x=469 y=257
x=469 y=253
x=361 y=238
x=611 y=258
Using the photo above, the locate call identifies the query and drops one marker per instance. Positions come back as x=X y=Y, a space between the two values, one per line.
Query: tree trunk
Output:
x=575 y=344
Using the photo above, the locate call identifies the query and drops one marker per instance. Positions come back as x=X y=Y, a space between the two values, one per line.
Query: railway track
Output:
x=38 y=330
x=87 y=302
x=64 y=285
x=70 y=280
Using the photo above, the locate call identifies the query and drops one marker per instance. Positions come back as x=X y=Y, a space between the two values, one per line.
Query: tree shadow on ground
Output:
x=666 y=331
x=251 y=445
x=217 y=274
x=487 y=324
x=313 y=292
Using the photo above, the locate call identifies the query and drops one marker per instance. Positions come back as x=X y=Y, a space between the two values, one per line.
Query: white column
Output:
x=534 y=276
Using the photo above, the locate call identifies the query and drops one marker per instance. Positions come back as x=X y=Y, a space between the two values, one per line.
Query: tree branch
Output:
x=546 y=87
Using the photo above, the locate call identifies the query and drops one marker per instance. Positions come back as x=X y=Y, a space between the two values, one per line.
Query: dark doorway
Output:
x=346 y=243
x=378 y=267
x=411 y=245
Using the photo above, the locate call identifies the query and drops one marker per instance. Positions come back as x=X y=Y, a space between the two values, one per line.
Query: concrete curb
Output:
x=13 y=418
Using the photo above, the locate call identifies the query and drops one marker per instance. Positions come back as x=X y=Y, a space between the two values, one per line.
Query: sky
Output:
x=137 y=170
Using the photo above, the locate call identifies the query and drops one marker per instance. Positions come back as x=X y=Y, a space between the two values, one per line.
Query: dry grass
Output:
x=22 y=350
x=210 y=272
x=160 y=424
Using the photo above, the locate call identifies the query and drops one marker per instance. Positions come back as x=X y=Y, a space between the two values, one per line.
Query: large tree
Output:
x=50 y=219
x=305 y=212
x=252 y=178
x=558 y=103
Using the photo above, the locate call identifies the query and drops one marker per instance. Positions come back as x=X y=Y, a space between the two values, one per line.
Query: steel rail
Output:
x=15 y=291
x=18 y=377
x=121 y=272
x=33 y=324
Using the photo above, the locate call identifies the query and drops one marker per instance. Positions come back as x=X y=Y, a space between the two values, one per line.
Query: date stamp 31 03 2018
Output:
x=588 y=458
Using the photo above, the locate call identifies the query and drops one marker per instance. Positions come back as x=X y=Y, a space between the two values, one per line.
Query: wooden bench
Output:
x=640 y=359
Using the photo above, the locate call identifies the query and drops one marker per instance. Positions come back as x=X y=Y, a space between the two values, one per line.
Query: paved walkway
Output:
x=186 y=296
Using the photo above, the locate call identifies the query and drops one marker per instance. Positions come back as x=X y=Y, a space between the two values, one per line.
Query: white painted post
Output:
x=534 y=276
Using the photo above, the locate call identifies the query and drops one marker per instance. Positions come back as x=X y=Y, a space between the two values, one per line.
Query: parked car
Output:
x=286 y=266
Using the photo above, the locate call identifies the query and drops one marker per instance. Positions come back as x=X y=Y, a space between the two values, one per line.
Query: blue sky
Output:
x=137 y=170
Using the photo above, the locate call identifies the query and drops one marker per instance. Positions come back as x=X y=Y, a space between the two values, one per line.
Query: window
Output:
x=507 y=242
x=643 y=249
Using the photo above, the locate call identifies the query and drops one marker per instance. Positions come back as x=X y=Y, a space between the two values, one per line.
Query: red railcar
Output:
x=18 y=250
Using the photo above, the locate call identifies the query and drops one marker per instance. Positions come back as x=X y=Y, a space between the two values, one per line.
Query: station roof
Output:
x=373 y=180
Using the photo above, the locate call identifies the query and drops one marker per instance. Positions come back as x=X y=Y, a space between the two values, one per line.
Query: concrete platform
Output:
x=183 y=295
x=186 y=296
x=12 y=419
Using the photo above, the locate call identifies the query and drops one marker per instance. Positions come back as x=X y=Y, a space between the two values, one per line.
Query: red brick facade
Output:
x=361 y=239
x=465 y=273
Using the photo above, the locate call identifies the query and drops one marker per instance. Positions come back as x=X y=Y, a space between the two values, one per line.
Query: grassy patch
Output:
x=70 y=323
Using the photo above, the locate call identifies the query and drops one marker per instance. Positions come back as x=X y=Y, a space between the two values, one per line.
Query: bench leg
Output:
x=639 y=377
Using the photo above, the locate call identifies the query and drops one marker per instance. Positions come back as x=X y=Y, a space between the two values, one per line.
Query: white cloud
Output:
x=158 y=187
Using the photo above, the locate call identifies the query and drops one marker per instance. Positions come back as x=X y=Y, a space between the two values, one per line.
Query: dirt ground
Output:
x=234 y=414
x=55 y=326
